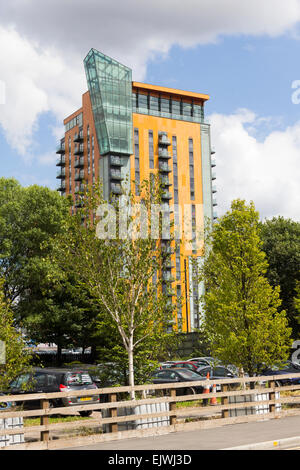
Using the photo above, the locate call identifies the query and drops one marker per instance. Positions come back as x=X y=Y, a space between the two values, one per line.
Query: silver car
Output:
x=54 y=380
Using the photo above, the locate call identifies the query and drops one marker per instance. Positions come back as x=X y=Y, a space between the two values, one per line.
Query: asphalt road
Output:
x=210 y=439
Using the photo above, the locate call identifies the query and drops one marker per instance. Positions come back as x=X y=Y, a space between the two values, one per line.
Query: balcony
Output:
x=214 y=188
x=167 y=290
x=79 y=188
x=78 y=150
x=213 y=162
x=214 y=201
x=116 y=188
x=167 y=195
x=163 y=139
x=213 y=175
x=165 y=180
x=116 y=175
x=60 y=149
x=163 y=153
x=168 y=265
x=164 y=167
x=61 y=174
x=166 y=208
x=79 y=162
x=212 y=150
x=167 y=276
x=79 y=175
x=166 y=249
x=115 y=161
x=61 y=161
x=62 y=186
x=78 y=137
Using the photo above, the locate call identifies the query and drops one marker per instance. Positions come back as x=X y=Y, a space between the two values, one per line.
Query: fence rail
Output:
x=263 y=391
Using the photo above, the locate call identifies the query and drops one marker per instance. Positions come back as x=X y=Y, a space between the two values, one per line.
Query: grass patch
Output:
x=54 y=419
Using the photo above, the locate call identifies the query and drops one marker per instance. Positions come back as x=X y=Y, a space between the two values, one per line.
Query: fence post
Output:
x=272 y=396
x=113 y=413
x=44 y=420
x=173 y=407
x=224 y=401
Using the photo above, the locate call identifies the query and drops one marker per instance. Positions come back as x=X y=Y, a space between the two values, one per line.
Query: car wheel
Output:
x=84 y=414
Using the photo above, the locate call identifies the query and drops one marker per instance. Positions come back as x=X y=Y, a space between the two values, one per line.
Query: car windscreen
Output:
x=189 y=374
x=78 y=378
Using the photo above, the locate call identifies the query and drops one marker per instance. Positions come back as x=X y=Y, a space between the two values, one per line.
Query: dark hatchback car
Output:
x=56 y=380
x=169 y=376
x=286 y=368
x=217 y=373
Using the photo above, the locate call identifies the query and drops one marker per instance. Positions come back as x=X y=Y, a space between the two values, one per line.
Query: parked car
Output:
x=56 y=380
x=205 y=360
x=217 y=373
x=169 y=376
x=288 y=367
x=167 y=364
x=186 y=365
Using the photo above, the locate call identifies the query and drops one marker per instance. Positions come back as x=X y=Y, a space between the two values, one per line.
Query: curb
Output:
x=269 y=445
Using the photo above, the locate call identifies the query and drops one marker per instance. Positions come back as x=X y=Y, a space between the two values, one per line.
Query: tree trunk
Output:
x=131 y=370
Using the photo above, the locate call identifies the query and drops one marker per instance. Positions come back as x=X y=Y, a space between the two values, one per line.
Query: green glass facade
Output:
x=110 y=87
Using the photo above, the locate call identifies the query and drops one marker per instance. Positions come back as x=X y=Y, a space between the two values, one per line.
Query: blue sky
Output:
x=246 y=64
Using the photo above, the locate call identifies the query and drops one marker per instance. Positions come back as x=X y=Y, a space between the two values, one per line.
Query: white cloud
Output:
x=266 y=172
x=44 y=43
x=36 y=81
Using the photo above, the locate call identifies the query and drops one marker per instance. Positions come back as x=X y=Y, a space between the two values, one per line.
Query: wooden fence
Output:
x=179 y=417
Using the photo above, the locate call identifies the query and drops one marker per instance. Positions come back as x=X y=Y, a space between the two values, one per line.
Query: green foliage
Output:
x=297 y=302
x=281 y=243
x=241 y=308
x=46 y=300
x=134 y=314
x=17 y=358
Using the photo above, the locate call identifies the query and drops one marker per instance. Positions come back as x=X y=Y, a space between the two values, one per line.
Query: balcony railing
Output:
x=61 y=186
x=165 y=181
x=213 y=175
x=116 y=175
x=79 y=188
x=79 y=150
x=213 y=162
x=79 y=162
x=78 y=137
x=163 y=139
x=61 y=161
x=164 y=167
x=60 y=149
x=79 y=175
x=163 y=153
x=116 y=188
x=61 y=173
x=167 y=195
x=115 y=160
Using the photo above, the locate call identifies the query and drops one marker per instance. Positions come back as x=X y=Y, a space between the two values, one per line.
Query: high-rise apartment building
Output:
x=127 y=131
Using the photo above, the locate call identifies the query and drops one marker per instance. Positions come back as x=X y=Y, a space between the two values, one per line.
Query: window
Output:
x=151 y=150
x=191 y=165
x=143 y=102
